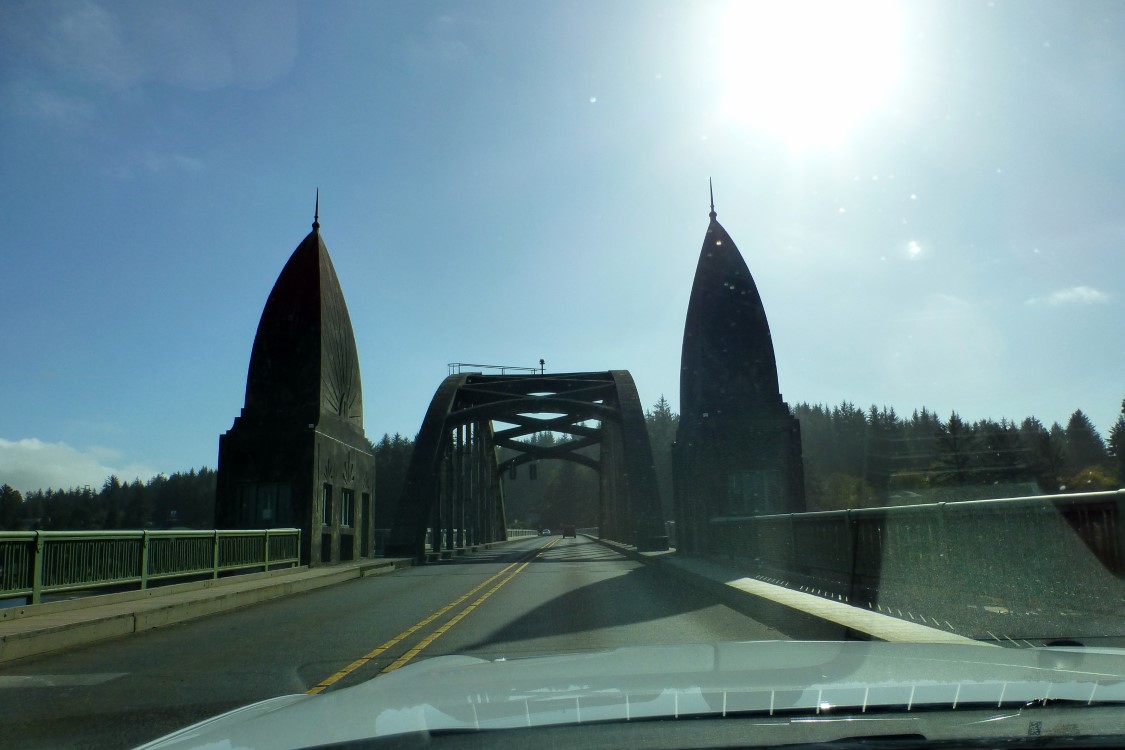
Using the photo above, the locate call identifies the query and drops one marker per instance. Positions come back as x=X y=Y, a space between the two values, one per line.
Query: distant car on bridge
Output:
x=544 y=532
x=569 y=531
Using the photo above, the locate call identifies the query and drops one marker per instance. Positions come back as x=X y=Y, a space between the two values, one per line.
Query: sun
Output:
x=808 y=71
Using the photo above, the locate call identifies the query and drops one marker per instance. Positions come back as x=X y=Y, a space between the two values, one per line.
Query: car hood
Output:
x=776 y=678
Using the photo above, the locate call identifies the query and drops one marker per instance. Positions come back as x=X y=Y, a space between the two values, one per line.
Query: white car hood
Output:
x=631 y=684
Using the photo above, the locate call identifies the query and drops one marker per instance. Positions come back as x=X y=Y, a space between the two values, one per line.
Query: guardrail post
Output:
x=851 y=535
x=1116 y=521
x=266 y=556
x=215 y=556
x=794 y=553
x=144 y=559
x=37 y=570
x=944 y=567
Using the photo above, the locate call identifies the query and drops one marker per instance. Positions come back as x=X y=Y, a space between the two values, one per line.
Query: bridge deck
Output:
x=538 y=595
x=531 y=596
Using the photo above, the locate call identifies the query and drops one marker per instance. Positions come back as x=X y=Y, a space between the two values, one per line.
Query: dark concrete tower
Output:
x=297 y=455
x=738 y=449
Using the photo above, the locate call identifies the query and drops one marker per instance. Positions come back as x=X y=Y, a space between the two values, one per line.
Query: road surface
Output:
x=534 y=596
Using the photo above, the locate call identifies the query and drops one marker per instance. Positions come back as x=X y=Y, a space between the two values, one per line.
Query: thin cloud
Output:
x=1075 y=295
x=25 y=99
x=55 y=107
x=200 y=46
x=443 y=42
x=205 y=46
x=31 y=464
x=155 y=163
x=87 y=39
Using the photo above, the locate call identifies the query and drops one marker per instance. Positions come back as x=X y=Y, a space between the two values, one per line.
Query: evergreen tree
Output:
x=1084 y=446
x=662 y=423
x=137 y=510
x=885 y=446
x=392 y=461
x=955 y=441
x=923 y=432
x=1001 y=458
x=1117 y=445
x=834 y=449
x=11 y=506
x=571 y=496
x=1045 y=453
x=849 y=436
x=816 y=443
x=113 y=501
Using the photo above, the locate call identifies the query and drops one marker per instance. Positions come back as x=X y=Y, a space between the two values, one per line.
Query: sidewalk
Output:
x=32 y=630
x=815 y=617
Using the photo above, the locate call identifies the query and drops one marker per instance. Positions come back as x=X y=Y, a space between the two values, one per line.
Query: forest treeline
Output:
x=853 y=458
x=182 y=500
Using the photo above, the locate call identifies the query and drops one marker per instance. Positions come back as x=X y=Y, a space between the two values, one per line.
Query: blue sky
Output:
x=928 y=195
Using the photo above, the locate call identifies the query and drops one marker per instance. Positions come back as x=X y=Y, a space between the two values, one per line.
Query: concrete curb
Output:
x=65 y=605
x=47 y=628
x=814 y=617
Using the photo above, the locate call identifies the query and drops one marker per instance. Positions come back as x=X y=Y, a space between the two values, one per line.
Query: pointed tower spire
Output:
x=712 y=187
x=738 y=446
x=316 y=211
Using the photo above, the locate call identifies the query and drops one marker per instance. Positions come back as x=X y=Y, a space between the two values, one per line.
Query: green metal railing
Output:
x=34 y=563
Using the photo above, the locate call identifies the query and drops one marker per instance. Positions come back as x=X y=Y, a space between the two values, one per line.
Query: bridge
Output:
x=540 y=595
x=296 y=499
x=455 y=478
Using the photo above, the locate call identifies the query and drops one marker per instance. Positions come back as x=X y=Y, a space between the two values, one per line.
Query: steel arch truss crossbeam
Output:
x=454 y=485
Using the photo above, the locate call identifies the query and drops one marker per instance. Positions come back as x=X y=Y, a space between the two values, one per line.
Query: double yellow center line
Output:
x=439 y=632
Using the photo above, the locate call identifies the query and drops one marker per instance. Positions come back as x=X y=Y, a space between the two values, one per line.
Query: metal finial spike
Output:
x=712 y=188
x=316 y=211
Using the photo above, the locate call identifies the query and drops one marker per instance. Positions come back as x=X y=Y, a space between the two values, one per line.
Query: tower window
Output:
x=326 y=504
x=347 y=507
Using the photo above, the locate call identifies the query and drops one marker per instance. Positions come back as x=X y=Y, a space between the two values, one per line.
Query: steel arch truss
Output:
x=454 y=485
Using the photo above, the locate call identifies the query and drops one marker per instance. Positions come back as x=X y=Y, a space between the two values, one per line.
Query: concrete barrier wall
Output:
x=1072 y=546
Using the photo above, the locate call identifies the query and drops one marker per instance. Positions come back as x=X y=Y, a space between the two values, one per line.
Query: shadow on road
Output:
x=591 y=597
x=581 y=550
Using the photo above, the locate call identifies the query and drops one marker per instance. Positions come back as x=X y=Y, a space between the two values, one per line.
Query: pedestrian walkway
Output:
x=814 y=616
x=37 y=629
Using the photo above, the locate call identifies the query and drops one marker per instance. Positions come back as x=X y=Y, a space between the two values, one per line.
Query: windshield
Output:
x=556 y=328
